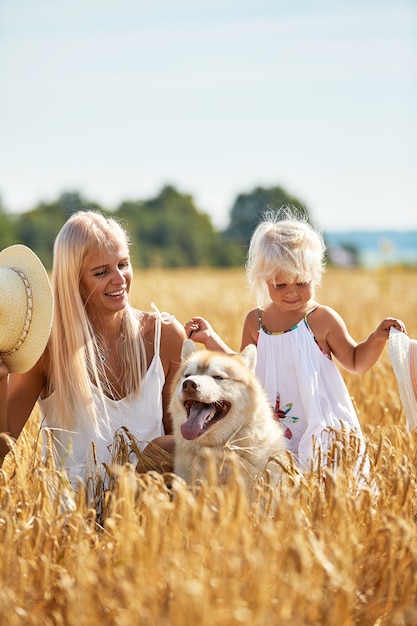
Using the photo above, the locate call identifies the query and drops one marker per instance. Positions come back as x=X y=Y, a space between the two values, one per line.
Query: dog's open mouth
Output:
x=201 y=416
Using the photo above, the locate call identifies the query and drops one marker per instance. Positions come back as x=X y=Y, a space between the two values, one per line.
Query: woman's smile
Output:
x=116 y=294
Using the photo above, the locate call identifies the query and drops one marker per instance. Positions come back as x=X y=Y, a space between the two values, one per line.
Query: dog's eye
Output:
x=218 y=377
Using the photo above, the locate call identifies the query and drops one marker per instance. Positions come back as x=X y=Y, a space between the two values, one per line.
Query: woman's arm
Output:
x=18 y=396
x=23 y=392
x=172 y=339
x=4 y=372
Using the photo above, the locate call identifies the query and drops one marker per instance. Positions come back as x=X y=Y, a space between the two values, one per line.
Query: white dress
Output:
x=305 y=388
x=140 y=414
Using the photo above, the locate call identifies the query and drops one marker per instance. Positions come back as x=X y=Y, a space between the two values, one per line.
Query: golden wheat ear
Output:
x=188 y=347
x=249 y=356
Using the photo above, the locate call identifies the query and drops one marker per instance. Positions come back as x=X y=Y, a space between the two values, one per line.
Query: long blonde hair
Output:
x=285 y=243
x=74 y=362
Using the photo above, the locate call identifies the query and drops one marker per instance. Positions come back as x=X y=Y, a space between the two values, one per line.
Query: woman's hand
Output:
x=158 y=455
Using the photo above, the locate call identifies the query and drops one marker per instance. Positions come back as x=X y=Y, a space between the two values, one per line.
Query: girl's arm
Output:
x=250 y=329
x=368 y=352
x=200 y=330
x=356 y=357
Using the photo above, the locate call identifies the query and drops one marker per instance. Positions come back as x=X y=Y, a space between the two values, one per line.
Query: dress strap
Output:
x=269 y=332
x=160 y=318
x=307 y=325
x=310 y=311
x=259 y=319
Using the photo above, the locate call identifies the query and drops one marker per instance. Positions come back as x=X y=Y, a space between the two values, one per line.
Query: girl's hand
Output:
x=381 y=332
x=198 y=329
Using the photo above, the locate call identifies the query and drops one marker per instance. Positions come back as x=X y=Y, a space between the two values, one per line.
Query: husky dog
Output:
x=220 y=415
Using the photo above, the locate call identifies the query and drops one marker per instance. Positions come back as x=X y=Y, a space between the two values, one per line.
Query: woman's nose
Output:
x=118 y=276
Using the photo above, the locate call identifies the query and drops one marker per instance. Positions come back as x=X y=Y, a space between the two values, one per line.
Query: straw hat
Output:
x=403 y=355
x=26 y=307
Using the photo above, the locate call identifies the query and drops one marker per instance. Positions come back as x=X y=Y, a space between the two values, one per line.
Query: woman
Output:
x=107 y=365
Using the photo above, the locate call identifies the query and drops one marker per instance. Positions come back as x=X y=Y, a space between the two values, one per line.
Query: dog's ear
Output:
x=188 y=347
x=249 y=356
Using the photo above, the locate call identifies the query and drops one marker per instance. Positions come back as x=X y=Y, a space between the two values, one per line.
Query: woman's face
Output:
x=105 y=279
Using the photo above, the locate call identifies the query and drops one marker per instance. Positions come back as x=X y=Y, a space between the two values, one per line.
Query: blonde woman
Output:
x=107 y=365
x=297 y=338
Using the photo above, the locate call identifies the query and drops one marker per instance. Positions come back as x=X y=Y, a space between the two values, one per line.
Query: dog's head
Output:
x=211 y=392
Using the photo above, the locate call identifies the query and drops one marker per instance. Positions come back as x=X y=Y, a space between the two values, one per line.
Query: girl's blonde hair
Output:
x=73 y=348
x=284 y=243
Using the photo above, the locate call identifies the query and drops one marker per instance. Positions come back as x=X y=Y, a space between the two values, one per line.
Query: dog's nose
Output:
x=189 y=384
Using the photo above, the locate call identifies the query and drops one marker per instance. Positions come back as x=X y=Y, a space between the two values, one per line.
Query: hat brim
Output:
x=403 y=355
x=23 y=258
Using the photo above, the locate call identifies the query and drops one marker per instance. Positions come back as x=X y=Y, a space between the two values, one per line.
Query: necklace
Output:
x=104 y=353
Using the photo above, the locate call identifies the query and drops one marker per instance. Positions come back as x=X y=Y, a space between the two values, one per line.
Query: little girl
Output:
x=296 y=337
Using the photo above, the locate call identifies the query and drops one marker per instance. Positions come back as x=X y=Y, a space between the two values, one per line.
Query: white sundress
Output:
x=305 y=388
x=140 y=414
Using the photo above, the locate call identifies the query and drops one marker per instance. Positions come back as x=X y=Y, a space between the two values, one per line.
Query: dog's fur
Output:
x=220 y=414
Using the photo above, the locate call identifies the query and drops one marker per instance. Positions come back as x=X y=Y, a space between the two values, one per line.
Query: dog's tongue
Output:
x=195 y=421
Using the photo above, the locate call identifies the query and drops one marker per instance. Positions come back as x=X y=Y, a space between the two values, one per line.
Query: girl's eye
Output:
x=101 y=273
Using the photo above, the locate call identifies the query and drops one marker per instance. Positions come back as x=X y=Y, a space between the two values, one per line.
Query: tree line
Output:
x=166 y=231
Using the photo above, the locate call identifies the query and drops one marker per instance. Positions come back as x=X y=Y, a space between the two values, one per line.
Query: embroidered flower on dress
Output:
x=282 y=413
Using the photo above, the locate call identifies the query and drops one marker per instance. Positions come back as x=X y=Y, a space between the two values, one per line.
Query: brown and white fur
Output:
x=221 y=413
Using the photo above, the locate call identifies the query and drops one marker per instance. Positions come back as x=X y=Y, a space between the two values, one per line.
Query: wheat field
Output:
x=162 y=554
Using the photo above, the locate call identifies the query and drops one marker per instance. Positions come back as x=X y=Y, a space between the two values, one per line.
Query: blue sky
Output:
x=116 y=98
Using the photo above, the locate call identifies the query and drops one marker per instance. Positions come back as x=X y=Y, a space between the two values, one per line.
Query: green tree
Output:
x=166 y=231
x=169 y=231
x=246 y=213
x=38 y=228
x=248 y=209
x=7 y=229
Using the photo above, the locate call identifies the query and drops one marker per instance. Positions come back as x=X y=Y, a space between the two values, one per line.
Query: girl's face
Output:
x=105 y=279
x=290 y=296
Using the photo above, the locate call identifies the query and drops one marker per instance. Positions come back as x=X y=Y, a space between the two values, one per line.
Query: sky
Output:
x=117 y=98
